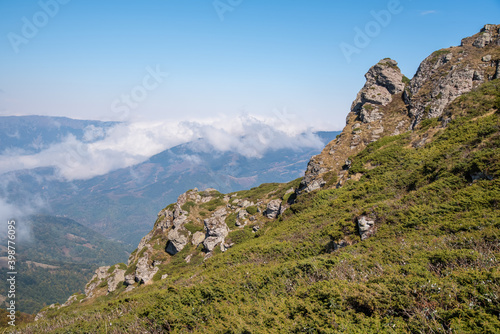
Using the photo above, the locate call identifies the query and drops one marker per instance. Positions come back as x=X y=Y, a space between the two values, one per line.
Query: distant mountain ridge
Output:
x=121 y=203
x=32 y=134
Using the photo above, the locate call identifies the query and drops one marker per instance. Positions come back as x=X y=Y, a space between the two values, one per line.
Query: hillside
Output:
x=56 y=258
x=395 y=227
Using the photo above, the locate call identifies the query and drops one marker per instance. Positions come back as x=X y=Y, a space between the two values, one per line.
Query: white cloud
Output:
x=20 y=215
x=128 y=144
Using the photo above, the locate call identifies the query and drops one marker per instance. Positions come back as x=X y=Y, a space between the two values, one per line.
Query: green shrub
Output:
x=252 y=210
x=188 y=205
x=193 y=227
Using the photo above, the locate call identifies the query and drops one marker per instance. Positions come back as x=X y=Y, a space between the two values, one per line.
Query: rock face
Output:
x=178 y=239
x=389 y=104
x=70 y=301
x=366 y=227
x=485 y=37
x=217 y=230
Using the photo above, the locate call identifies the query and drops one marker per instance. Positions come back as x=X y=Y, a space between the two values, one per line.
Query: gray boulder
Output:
x=483 y=39
x=198 y=238
x=366 y=227
x=100 y=274
x=178 y=239
x=217 y=229
x=312 y=179
x=273 y=209
x=145 y=271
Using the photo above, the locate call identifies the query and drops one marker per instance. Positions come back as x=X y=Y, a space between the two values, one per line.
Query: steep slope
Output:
x=407 y=242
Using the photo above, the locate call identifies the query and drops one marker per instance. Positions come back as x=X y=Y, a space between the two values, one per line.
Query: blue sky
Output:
x=223 y=58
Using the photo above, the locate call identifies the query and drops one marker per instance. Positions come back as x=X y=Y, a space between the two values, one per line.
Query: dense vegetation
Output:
x=57 y=258
x=432 y=266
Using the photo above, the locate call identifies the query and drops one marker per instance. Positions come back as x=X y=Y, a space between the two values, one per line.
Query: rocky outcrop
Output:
x=105 y=280
x=377 y=111
x=217 y=230
x=145 y=270
x=390 y=104
x=382 y=82
x=178 y=239
x=241 y=217
x=486 y=36
x=448 y=73
x=312 y=179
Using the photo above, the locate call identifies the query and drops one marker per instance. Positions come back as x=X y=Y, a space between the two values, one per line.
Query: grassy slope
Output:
x=432 y=265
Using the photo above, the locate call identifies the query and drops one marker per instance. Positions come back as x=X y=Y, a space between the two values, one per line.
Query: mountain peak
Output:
x=383 y=80
x=389 y=103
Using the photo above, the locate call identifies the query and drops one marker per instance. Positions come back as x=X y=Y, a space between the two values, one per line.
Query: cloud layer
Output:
x=129 y=144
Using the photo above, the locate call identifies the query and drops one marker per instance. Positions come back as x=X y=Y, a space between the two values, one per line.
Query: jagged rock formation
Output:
x=116 y=278
x=105 y=278
x=382 y=82
x=448 y=73
x=377 y=111
x=389 y=104
x=198 y=238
